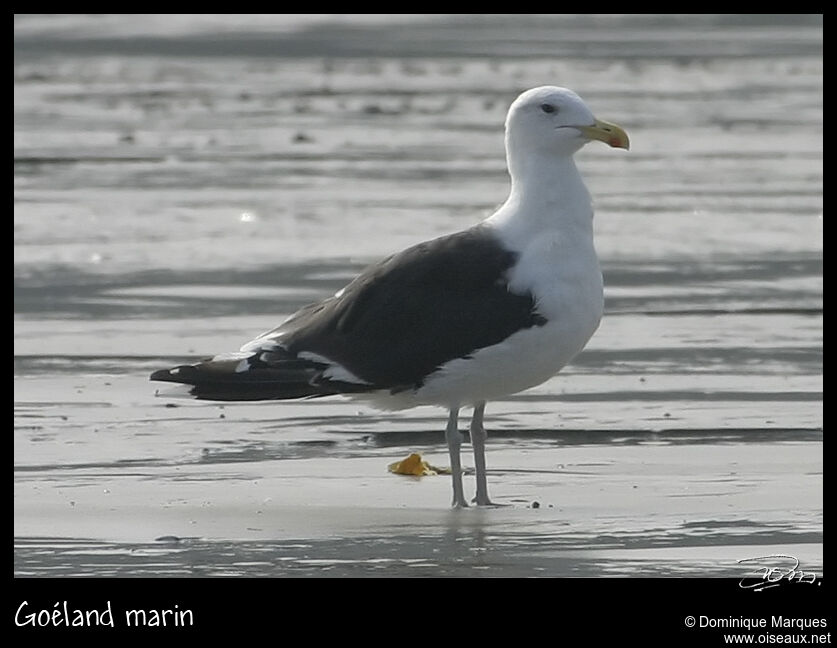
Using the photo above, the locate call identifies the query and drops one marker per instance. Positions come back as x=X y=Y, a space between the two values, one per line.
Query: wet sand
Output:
x=108 y=483
x=607 y=509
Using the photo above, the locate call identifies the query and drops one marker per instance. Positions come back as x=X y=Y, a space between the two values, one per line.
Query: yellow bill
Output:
x=606 y=132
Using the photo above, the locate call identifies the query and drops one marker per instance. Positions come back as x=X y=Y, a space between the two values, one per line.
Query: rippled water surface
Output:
x=182 y=184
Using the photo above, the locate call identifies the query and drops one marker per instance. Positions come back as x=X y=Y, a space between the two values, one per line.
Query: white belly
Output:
x=523 y=360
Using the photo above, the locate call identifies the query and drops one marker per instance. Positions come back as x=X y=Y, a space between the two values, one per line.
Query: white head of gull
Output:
x=459 y=320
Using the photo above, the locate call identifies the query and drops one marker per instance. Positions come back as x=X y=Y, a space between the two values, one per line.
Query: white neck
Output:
x=547 y=194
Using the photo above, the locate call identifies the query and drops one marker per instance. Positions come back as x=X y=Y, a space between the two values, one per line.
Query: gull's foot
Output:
x=484 y=501
x=460 y=504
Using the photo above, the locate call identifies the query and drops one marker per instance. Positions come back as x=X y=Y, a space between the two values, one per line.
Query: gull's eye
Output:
x=548 y=108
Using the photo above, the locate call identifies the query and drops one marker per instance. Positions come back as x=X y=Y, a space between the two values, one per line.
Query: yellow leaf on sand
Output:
x=415 y=465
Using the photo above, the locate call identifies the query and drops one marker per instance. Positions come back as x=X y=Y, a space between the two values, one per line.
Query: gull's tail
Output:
x=248 y=378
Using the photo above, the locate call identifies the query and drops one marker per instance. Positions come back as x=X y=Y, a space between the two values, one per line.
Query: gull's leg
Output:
x=454 y=442
x=478 y=441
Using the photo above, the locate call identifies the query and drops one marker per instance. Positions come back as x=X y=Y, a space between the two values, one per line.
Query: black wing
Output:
x=404 y=317
x=391 y=327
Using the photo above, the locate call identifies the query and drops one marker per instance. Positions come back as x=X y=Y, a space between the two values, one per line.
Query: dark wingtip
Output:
x=185 y=374
x=163 y=374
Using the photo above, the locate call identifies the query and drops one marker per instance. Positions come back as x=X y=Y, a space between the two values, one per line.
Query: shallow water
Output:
x=182 y=185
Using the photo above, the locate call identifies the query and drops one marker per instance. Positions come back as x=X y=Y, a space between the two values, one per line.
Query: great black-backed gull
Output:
x=454 y=322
